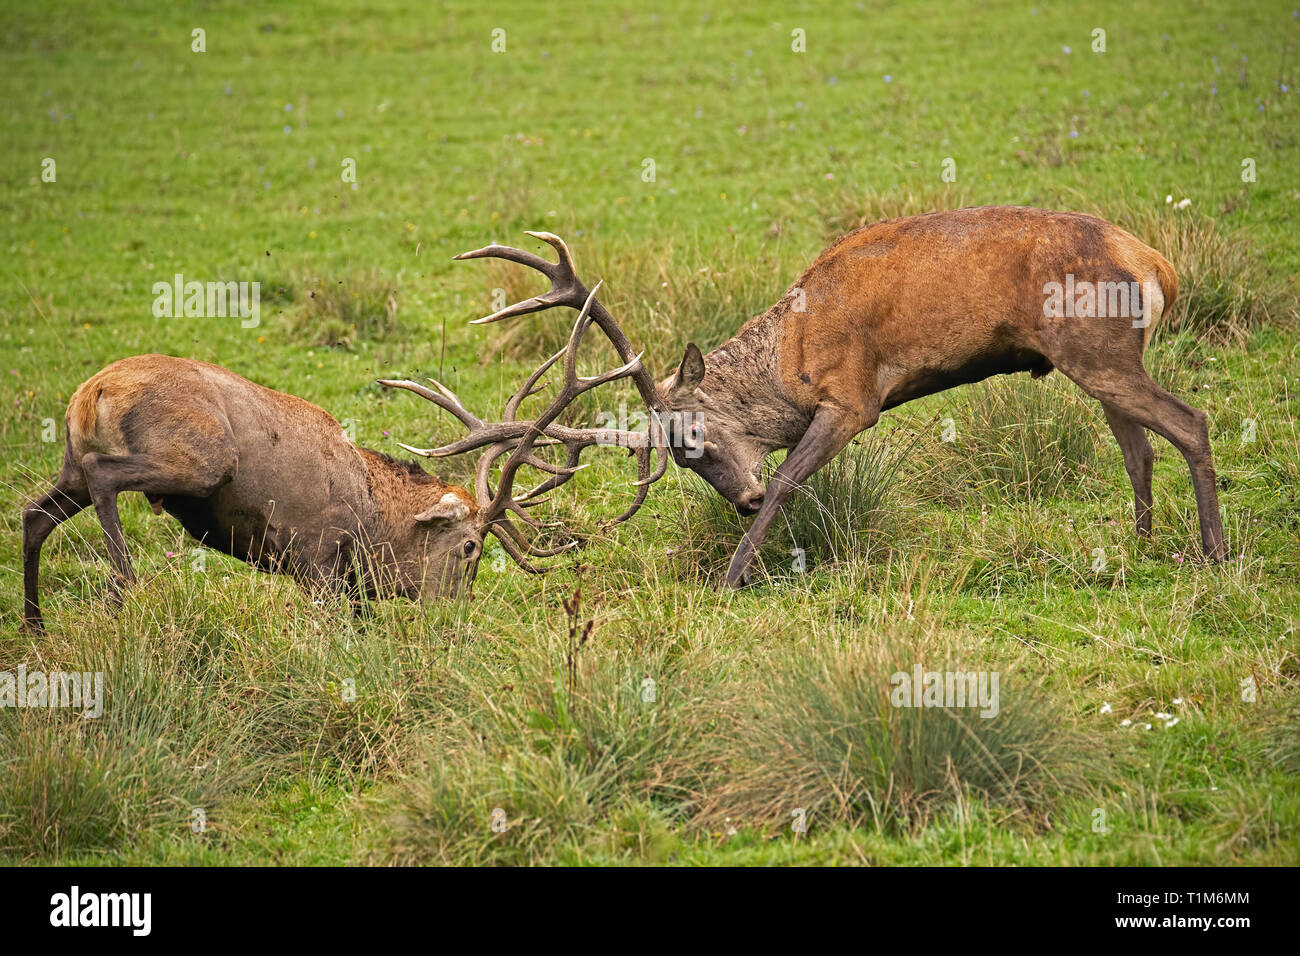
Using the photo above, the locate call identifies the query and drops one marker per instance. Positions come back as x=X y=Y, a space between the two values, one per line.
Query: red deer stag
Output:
x=903 y=309
x=272 y=480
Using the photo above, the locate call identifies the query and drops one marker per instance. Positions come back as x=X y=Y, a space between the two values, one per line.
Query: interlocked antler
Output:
x=520 y=438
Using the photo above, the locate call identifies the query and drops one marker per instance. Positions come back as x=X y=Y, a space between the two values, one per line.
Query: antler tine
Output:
x=527 y=388
x=561 y=248
x=511 y=538
x=566 y=288
x=504 y=531
x=571 y=467
x=513 y=550
x=444 y=398
x=656 y=438
x=642 y=486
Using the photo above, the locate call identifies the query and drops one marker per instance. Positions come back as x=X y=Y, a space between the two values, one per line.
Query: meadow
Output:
x=340 y=155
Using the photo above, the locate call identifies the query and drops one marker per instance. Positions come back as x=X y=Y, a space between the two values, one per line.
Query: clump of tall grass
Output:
x=1013 y=438
x=821 y=734
x=847 y=508
x=337 y=313
x=1225 y=288
x=162 y=746
x=209 y=691
x=1282 y=741
x=845 y=511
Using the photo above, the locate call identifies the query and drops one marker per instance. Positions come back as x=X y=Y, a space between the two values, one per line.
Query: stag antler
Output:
x=566 y=289
x=518 y=438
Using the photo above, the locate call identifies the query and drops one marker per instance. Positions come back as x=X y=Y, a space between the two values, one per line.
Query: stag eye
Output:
x=469 y=548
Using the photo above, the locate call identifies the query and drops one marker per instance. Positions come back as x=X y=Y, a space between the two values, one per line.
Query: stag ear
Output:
x=450 y=507
x=690 y=374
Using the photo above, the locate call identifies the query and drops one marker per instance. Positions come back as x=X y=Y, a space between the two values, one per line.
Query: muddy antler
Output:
x=519 y=439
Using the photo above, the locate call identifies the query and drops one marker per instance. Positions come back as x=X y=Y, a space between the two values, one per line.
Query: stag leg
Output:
x=832 y=428
x=1135 y=395
x=67 y=498
x=107 y=476
x=1138 y=458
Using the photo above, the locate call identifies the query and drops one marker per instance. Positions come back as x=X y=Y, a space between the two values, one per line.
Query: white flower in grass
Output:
x=1105 y=708
x=1125 y=722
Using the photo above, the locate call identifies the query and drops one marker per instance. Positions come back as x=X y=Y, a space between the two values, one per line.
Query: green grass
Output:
x=226 y=690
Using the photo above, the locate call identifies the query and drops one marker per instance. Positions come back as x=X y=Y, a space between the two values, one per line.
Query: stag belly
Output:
x=261 y=519
x=903 y=385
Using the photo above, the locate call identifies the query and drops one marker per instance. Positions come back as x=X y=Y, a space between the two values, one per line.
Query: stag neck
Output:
x=398 y=490
x=743 y=377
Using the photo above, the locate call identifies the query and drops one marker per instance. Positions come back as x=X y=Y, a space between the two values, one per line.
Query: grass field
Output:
x=1149 y=708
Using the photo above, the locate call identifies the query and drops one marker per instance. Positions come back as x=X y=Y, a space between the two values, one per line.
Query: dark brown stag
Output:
x=272 y=479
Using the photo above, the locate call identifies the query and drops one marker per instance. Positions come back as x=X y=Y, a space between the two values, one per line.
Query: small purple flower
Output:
x=1065 y=50
x=889 y=78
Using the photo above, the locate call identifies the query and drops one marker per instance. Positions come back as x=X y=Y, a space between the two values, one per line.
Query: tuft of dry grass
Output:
x=337 y=313
x=819 y=732
x=1012 y=438
x=850 y=210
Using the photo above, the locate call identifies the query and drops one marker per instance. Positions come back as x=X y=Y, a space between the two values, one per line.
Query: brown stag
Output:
x=903 y=309
x=272 y=479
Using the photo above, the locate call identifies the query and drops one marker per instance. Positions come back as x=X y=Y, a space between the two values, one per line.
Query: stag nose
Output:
x=749 y=502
